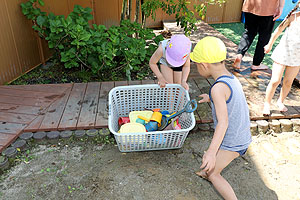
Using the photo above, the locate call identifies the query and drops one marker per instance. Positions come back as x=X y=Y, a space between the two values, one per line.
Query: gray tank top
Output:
x=238 y=135
x=163 y=59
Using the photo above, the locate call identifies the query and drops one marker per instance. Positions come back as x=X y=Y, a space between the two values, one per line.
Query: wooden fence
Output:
x=21 y=49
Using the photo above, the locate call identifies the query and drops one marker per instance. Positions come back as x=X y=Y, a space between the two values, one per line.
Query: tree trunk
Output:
x=124 y=9
x=143 y=16
x=129 y=9
x=137 y=11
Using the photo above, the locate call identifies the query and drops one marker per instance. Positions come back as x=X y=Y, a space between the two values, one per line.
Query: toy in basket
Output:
x=172 y=98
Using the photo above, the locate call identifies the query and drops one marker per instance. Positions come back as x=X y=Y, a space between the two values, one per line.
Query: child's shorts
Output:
x=242 y=152
x=177 y=69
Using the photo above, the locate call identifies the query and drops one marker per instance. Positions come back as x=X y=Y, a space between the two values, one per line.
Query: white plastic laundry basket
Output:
x=124 y=99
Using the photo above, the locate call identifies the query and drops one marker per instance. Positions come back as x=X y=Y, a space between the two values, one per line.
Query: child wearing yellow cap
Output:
x=230 y=113
x=173 y=56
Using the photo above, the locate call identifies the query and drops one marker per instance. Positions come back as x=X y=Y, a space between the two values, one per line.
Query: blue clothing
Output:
x=242 y=152
x=238 y=135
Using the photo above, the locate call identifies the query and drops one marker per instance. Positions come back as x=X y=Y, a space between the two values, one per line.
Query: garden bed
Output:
x=52 y=73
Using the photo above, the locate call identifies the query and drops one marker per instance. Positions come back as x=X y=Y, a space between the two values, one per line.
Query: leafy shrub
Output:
x=76 y=43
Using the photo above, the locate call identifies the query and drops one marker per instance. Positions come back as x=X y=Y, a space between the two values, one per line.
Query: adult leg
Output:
x=289 y=76
x=222 y=186
x=251 y=29
x=277 y=72
x=265 y=28
x=167 y=72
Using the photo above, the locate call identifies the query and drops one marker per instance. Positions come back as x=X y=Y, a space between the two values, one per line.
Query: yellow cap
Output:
x=209 y=50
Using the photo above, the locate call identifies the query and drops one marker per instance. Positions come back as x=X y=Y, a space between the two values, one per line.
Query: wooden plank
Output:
x=51 y=88
x=72 y=110
x=88 y=112
x=121 y=83
x=105 y=88
x=54 y=113
x=144 y=82
x=12 y=108
x=35 y=124
x=204 y=109
x=134 y=82
x=102 y=114
x=16 y=118
x=26 y=93
x=194 y=93
x=11 y=128
x=6 y=140
x=38 y=102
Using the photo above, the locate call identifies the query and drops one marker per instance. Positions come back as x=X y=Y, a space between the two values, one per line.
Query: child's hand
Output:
x=208 y=162
x=267 y=48
x=185 y=85
x=162 y=82
x=205 y=98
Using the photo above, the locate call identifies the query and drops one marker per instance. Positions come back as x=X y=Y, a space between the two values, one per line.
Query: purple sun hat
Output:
x=178 y=50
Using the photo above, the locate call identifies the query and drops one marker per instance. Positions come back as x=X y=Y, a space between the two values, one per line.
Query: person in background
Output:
x=260 y=16
x=174 y=57
x=230 y=113
x=286 y=58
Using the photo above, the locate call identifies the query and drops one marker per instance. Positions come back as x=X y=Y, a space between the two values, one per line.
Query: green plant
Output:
x=92 y=47
x=184 y=15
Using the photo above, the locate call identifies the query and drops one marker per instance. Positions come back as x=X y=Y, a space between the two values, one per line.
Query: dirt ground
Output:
x=270 y=170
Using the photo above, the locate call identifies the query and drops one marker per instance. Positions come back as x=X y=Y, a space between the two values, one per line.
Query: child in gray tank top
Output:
x=173 y=56
x=230 y=112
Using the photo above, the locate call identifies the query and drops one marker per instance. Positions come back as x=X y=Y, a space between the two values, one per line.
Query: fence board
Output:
x=9 y=66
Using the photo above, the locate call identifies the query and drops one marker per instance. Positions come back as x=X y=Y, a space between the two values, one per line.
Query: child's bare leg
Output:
x=167 y=72
x=289 y=76
x=177 y=77
x=222 y=186
x=237 y=61
x=202 y=174
x=277 y=72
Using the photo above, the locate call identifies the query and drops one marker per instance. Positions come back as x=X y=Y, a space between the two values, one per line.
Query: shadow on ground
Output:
x=91 y=171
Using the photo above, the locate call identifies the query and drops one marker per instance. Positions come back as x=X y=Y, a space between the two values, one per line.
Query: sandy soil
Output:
x=270 y=170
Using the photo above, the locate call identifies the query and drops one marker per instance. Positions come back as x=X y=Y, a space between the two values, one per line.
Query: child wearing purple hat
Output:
x=174 y=58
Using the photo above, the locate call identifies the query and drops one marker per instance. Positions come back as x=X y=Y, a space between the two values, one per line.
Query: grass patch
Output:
x=234 y=31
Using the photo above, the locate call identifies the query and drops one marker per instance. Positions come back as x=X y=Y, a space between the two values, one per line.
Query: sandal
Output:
x=266 y=110
x=281 y=107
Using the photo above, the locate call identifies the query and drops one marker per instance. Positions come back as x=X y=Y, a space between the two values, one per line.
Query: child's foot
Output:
x=266 y=110
x=202 y=174
x=259 y=67
x=281 y=107
x=237 y=62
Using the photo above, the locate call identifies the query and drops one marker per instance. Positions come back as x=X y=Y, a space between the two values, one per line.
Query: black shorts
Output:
x=177 y=69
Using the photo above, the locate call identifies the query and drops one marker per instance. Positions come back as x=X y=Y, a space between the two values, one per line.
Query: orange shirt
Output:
x=261 y=7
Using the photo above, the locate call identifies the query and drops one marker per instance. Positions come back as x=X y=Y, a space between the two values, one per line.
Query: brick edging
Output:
x=275 y=126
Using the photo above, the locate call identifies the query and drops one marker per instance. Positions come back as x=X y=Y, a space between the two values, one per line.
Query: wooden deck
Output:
x=32 y=108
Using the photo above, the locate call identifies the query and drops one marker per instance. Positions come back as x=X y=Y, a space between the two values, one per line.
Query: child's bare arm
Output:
x=185 y=73
x=153 y=65
x=219 y=93
x=205 y=98
x=276 y=34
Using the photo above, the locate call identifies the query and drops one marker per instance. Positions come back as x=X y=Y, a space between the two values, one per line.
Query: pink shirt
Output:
x=260 y=7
